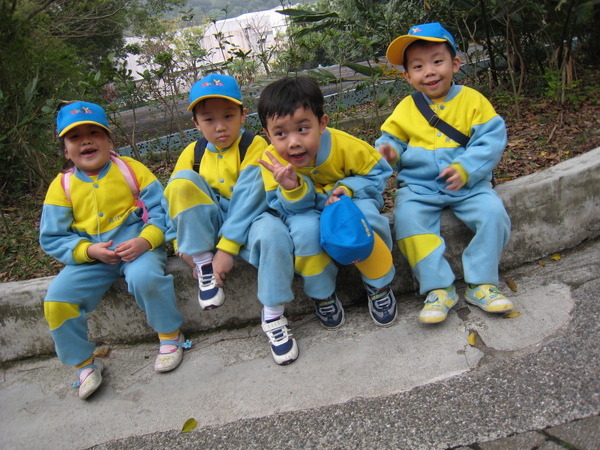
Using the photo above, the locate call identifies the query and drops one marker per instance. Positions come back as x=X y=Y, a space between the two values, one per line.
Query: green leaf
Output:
x=189 y=425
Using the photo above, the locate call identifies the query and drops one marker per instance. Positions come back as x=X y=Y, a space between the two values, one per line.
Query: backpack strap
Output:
x=435 y=121
x=199 y=153
x=128 y=174
x=200 y=147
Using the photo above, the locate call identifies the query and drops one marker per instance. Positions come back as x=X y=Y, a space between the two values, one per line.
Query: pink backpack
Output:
x=129 y=178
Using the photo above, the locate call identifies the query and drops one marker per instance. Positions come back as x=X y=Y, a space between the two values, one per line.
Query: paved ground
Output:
x=529 y=379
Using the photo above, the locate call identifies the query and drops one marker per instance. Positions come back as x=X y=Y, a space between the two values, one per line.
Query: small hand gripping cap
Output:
x=79 y=113
x=346 y=235
x=215 y=85
x=433 y=32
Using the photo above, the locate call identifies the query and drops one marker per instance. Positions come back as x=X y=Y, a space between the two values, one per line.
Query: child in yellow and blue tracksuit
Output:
x=94 y=223
x=435 y=172
x=309 y=166
x=220 y=206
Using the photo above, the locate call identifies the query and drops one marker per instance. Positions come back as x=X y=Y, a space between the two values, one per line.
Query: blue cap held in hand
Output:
x=346 y=235
x=215 y=85
x=433 y=32
x=79 y=113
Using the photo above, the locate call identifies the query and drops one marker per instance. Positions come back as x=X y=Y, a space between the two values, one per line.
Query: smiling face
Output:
x=88 y=146
x=219 y=120
x=297 y=137
x=429 y=68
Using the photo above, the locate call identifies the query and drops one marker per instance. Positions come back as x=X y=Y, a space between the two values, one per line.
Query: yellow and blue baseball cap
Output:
x=348 y=238
x=433 y=32
x=79 y=113
x=215 y=85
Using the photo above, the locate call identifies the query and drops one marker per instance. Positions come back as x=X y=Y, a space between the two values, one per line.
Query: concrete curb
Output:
x=551 y=211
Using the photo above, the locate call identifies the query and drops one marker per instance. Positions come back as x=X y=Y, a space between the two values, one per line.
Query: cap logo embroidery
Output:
x=415 y=30
x=83 y=110
x=213 y=83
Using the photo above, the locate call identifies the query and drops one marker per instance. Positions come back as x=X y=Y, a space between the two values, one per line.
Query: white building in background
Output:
x=254 y=31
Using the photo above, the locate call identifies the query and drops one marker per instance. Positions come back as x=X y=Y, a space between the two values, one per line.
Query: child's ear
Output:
x=456 y=64
x=323 y=123
x=266 y=132
x=196 y=123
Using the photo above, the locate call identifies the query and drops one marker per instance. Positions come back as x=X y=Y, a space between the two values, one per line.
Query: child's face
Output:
x=219 y=120
x=88 y=146
x=297 y=137
x=430 y=69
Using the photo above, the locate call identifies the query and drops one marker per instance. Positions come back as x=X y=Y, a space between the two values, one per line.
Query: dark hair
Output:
x=68 y=163
x=202 y=102
x=422 y=43
x=283 y=97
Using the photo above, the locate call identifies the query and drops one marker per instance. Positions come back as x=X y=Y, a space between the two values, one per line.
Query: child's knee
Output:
x=57 y=313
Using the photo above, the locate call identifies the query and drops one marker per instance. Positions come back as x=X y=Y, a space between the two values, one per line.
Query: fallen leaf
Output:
x=102 y=353
x=511 y=284
x=471 y=339
x=541 y=263
x=512 y=314
x=555 y=257
x=189 y=425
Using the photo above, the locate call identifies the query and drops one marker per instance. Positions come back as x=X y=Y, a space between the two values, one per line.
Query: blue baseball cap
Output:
x=79 y=113
x=215 y=85
x=345 y=233
x=433 y=32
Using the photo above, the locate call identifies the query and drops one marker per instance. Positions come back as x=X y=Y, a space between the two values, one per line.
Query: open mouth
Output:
x=88 y=152
x=297 y=156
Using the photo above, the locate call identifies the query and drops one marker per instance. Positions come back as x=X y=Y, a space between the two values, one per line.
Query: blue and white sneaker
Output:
x=382 y=305
x=283 y=345
x=210 y=294
x=330 y=312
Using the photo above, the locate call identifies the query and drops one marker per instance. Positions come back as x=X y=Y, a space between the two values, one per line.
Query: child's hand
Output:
x=388 y=153
x=222 y=264
x=453 y=178
x=335 y=195
x=190 y=262
x=101 y=252
x=284 y=175
x=129 y=250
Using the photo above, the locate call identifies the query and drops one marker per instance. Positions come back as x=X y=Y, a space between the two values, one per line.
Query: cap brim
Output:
x=379 y=263
x=395 y=51
x=83 y=122
x=231 y=99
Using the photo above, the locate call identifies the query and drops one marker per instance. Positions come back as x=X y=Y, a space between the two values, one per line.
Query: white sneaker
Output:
x=210 y=294
x=283 y=345
x=89 y=378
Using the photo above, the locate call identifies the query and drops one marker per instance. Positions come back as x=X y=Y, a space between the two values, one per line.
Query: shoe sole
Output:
x=492 y=309
x=213 y=303
x=438 y=319
x=384 y=325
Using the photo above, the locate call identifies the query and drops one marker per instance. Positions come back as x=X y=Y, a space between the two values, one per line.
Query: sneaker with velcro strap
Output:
x=284 y=348
x=330 y=312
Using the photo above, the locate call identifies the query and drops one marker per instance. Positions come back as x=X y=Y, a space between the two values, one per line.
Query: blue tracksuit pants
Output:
x=77 y=290
x=417 y=225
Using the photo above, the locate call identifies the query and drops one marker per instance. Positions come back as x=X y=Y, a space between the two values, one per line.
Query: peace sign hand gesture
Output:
x=284 y=175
